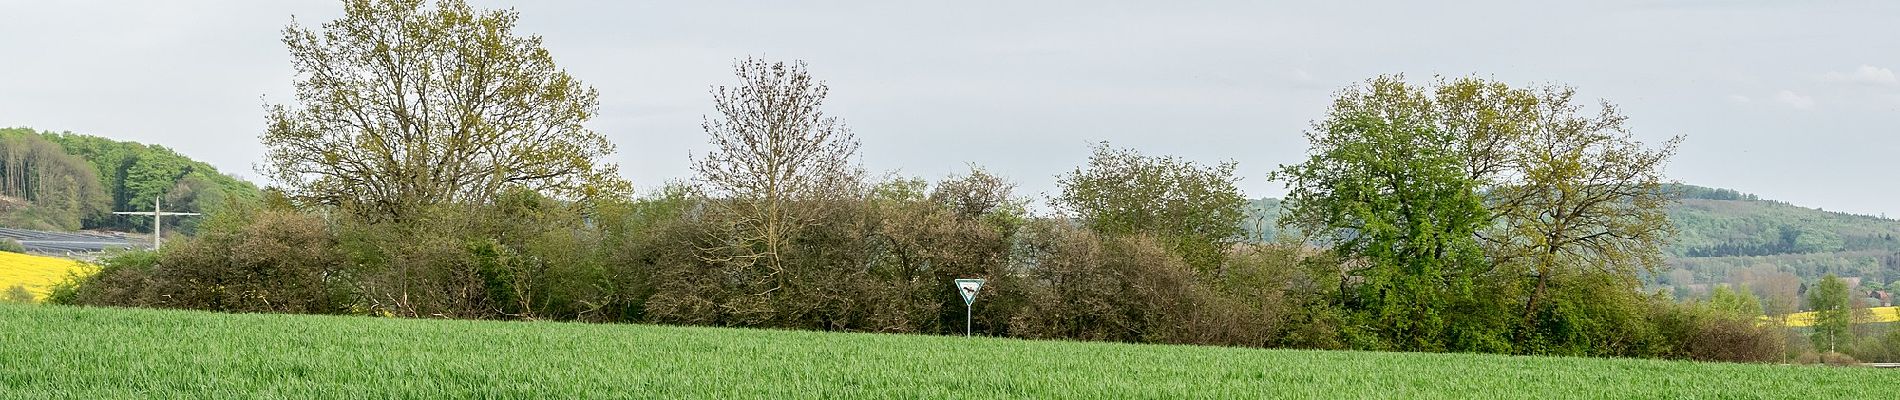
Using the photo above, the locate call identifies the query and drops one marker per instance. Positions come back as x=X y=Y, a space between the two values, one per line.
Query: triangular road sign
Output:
x=968 y=288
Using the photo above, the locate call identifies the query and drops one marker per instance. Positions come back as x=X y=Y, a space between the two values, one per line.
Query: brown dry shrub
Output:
x=1721 y=338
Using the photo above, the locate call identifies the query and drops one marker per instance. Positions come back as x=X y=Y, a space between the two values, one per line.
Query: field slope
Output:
x=64 y=352
x=36 y=273
x=1876 y=315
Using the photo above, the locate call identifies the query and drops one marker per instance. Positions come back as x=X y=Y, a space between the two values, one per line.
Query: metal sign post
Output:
x=158 y=230
x=968 y=288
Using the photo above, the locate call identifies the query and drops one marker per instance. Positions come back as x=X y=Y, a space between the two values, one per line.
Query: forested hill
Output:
x=1726 y=236
x=1731 y=237
x=67 y=181
x=1725 y=223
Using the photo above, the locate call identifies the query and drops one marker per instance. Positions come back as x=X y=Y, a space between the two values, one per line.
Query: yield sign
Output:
x=968 y=288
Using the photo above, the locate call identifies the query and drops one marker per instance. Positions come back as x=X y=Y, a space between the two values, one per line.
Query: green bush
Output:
x=244 y=261
x=1706 y=332
x=11 y=246
x=123 y=280
x=880 y=263
x=1879 y=347
x=16 y=294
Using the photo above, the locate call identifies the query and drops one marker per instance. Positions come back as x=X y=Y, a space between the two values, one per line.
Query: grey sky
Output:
x=1795 y=101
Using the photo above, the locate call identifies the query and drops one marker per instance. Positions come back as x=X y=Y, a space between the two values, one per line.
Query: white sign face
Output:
x=968 y=288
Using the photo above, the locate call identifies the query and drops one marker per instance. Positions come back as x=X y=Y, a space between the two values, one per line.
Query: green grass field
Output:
x=65 y=352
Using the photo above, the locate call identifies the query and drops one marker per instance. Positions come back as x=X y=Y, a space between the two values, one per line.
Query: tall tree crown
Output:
x=401 y=105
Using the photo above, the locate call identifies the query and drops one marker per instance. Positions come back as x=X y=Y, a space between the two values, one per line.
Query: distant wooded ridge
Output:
x=69 y=181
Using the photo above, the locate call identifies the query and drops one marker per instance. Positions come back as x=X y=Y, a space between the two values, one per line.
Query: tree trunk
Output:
x=1543 y=284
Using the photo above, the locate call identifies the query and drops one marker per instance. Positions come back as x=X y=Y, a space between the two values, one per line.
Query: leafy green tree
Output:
x=1568 y=200
x=1739 y=302
x=41 y=186
x=401 y=106
x=1833 y=313
x=195 y=192
x=1571 y=193
x=1196 y=210
x=150 y=178
x=1383 y=190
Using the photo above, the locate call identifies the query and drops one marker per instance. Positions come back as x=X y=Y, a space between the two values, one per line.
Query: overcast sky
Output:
x=1796 y=101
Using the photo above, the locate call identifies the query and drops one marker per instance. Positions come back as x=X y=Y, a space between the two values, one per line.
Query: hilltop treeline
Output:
x=69 y=181
x=1467 y=215
x=45 y=187
x=1740 y=241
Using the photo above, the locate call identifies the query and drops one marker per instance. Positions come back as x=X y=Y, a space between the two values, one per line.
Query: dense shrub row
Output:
x=1464 y=216
x=880 y=262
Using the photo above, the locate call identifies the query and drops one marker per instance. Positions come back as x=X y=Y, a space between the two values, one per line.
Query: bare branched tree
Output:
x=778 y=162
x=972 y=195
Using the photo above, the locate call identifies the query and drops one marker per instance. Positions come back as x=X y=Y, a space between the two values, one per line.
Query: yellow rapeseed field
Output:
x=1877 y=314
x=36 y=273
